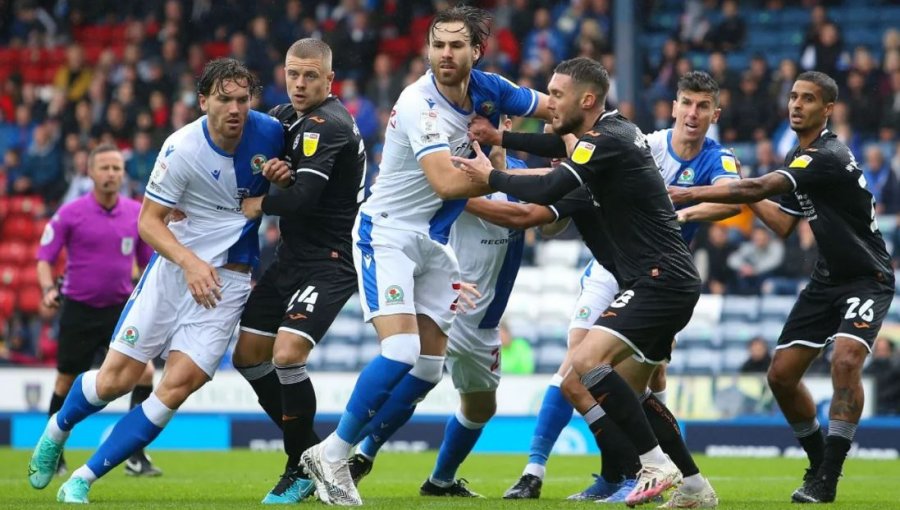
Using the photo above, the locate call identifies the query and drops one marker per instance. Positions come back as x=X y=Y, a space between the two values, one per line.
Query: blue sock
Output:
x=76 y=406
x=133 y=432
x=456 y=446
x=555 y=414
x=372 y=389
x=395 y=412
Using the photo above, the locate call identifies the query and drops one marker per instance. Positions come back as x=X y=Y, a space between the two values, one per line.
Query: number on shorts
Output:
x=308 y=296
x=865 y=311
x=622 y=300
x=496 y=364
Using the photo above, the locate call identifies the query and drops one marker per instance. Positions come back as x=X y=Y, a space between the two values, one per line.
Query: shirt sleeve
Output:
x=723 y=167
x=322 y=142
x=577 y=200
x=169 y=177
x=420 y=123
x=789 y=204
x=590 y=156
x=538 y=189
x=54 y=238
x=514 y=100
x=546 y=145
x=816 y=169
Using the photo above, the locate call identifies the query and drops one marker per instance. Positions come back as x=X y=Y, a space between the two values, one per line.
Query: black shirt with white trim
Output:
x=328 y=158
x=829 y=190
x=613 y=160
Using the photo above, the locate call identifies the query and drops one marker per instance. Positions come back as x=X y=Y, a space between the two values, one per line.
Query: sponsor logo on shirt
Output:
x=686 y=176
x=393 y=295
x=801 y=162
x=729 y=164
x=583 y=152
x=169 y=150
x=310 y=143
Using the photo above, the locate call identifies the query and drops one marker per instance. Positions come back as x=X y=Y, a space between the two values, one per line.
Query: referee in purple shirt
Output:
x=100 y=233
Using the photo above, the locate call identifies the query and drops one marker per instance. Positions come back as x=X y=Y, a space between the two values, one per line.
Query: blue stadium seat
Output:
x=771 y=330
x=345 y=330
x=548 y=358
x=733 y=358
x=862 y=36
x=553 y=332
x=698 y=335
x=365 y=353
x=894 y=311
x=776 y=308
x=702 y=361
x=737 y=332
x=740 y=308
x=340 y=357
x=352 y=308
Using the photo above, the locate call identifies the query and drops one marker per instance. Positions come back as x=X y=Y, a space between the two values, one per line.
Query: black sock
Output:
x=667 y=431
x=814 y=445
x=264 y=381
x=619 y=459
x=298 y=401
x=621 y=405
x=56 y=402
x=140 y=394
x=836 y=448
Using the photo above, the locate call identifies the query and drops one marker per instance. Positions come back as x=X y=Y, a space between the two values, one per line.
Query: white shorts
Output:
x=403 y=272
x=162 y=316
x=473 y=356
x=598 y=289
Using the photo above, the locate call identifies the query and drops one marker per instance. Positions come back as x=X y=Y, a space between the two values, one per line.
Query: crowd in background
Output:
x=76 y=73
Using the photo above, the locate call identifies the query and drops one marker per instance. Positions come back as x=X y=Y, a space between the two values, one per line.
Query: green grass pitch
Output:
x=239 y=479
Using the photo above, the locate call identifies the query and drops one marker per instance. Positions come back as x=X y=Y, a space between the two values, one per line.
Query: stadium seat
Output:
x=556 y=306
x=561 y=279
x=548 y=358
x=14 y=252
x=528 y=281
x=558 y=253
x=365 y=353
x=733 y=358
x=27 y=275
x=553 y=332
x=894 y=311
x=522 y=305
x=340 y=357
x=7 y=303
x=701 y=361
x=740 y=308
x=344 y=330
x=771 y=330
x=29 y=299
x=352 y=308
x=776 y=308
x=708 y=309
x=9 y=276
x=698 y=334
x=18 y=227
x=27 y=204
x=737 y=332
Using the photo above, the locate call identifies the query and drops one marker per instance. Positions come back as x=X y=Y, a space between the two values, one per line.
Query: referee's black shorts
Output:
x=84 y=334
x=302 y=298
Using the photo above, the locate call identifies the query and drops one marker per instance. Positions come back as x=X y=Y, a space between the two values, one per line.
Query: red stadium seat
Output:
x=9 y=277
x=14 y=252
x=18 y=227
x=27 y=275
x=7 y=303
x=38 y=228
x=29 y=299
x=9 y=56
x=26 y=204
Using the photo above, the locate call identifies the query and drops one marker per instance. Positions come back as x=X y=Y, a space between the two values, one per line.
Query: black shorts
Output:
x=299 y=297
x=84 y=334
x=854 y=309
x=647 y=317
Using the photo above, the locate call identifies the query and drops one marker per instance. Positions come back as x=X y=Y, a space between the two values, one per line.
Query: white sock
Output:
x=85 y=473
x=89 y=388
x=694 y=483
x=660 y=395
x=156 y=411
x=360 y=452
x=54 y=432
x=536 y=470
x=654 y=456
x=334 y=448
x=440 y=483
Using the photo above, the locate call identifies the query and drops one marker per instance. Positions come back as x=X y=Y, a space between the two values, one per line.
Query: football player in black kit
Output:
x=299 y=296
x=852 y=285
x=659 y=283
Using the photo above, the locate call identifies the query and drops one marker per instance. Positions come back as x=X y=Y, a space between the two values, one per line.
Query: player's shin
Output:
x=134 y=431
x=619 y=458
x=298 y=402
x=460 y=436
x=668 y=432
x=554 y=415
x=81 y=402
x=265 y=384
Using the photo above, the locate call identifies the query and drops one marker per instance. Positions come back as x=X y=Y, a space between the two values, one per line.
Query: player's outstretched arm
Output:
x=448 y=181
x=709 y=211
x=202 y=279
x=777 y=220
x=510 y=214
x=743 y=191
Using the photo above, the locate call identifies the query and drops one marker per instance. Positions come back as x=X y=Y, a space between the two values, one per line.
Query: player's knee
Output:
x=481 y=411
x=112 y=384
x=403 y=347
x=780 y=379
x=291 y=352
x=846 y=363
x=658 y=379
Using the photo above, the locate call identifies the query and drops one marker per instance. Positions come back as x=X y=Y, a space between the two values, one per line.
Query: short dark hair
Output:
x=311 y=48
x=699 y=81
x=824 y=82
x=476 y=21
x=218 y=71
x=587 y=71
x=100 y=149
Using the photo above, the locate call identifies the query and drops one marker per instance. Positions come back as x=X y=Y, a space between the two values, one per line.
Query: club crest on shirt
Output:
x=686 y=176
x=257 y=162
x=310 y=143
x=488 y=108
x=127 y=245
x=393 y=295
x=583 y=313
x=583 y=152
x=130 y=335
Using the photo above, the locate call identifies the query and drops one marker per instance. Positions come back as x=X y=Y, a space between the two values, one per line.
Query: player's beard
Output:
x=569 y=124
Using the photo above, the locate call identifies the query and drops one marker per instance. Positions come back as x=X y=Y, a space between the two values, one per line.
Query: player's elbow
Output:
x=533 y=216
x=731 y=210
